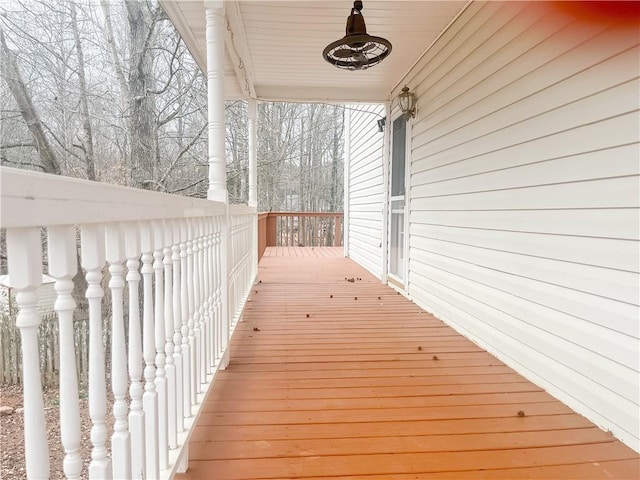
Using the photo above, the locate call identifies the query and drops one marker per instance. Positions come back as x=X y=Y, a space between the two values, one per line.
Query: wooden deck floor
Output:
x=337 y=379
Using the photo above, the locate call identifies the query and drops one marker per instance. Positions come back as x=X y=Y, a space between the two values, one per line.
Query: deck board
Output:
x=351 y=380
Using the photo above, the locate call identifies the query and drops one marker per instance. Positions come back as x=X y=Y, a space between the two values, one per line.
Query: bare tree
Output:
x=112 y=94
x=11 y=74
x=87 y=144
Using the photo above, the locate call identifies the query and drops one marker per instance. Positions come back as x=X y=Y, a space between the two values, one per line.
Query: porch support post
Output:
x=253 y=183
x=386 y=156
x=253 y=164
x=215 y=88
x=347 y=182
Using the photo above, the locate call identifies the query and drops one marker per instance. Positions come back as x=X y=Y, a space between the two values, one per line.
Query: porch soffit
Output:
x=280 y=45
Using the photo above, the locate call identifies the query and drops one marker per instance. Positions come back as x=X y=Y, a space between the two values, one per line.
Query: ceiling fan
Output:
x=357 y=50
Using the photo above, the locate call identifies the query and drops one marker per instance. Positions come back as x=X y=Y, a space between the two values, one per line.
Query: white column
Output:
x=253 y=158
x=215 y=87
x=25 y=268
x=346 y=198
x=93 y=260
x=386 y=155
x=63 y=265
x=121 y=439
x=253 y=183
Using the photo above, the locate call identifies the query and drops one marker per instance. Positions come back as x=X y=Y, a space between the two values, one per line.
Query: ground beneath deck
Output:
x=333 y=378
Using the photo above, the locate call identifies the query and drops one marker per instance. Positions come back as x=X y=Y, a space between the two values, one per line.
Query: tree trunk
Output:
x=87 y=146
x=142 y=120
x=11 y=74
x=334 y=162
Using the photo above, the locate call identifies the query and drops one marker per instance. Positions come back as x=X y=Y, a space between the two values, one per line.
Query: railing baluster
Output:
x=150 y=397
x=218 y=293
x=194 y=275
x=194 y=299
x=170 y=367
x=160 y=360
x=136 y=415
x=215 y=283
x=231 y=276
x=206 y=320
x=93 y=259
x=225 y=269
x=176 y=258
x=201 y=305
x=184 y=294
x=25 y=268
x=61 y=245
x=190 y=321
x=120 y=440
x=207 y=296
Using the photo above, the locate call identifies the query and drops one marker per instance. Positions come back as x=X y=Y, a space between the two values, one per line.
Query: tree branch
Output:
x=147 y=40
x=180 y=155
x=153 y=182
x=182 y=189
x=115 y=58
x=23 y=164
x=7 y=146
x=172 y=72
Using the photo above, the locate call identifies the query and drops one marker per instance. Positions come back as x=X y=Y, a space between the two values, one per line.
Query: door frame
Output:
x=394 y=281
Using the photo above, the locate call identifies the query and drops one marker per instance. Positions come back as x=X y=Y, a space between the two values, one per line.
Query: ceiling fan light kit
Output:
x=357 y=50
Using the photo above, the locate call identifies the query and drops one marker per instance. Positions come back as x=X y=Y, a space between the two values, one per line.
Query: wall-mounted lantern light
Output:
x=381 y=123
x=407 y=101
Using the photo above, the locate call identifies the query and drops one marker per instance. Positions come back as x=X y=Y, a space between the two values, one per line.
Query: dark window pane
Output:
x=398 y=156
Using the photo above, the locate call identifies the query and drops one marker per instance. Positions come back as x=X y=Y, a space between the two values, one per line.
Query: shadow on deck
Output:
x=331 y=378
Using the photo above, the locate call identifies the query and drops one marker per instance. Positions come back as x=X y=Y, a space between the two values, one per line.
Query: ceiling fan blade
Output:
x=343 y=53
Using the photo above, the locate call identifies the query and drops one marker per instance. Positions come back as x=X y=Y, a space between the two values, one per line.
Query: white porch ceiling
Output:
x=280 y=43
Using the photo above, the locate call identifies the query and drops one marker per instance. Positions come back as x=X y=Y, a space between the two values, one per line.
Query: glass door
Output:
x=397 y=200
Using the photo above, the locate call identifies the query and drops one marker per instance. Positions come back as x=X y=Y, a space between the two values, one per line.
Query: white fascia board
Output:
x=273 y=93
x=174 y=12
x=236 y=42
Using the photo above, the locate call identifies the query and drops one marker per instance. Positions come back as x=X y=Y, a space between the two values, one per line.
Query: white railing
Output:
x=178 y=272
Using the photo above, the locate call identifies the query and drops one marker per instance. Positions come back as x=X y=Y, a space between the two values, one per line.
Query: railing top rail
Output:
x=31 y=199
x=241 y=209
x=302 y=214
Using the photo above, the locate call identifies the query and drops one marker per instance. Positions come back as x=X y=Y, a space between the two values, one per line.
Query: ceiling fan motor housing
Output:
x=356 y=26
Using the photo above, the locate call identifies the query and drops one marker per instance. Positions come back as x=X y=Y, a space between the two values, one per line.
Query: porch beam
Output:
x=326 y=94
x=215 y=34
x=236 y=43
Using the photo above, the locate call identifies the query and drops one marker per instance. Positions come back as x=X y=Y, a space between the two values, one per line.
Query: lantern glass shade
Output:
x=407 y=101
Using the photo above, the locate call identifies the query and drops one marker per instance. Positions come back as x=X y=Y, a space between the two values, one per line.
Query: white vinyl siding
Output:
x=366 y=186
x=525 y=188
